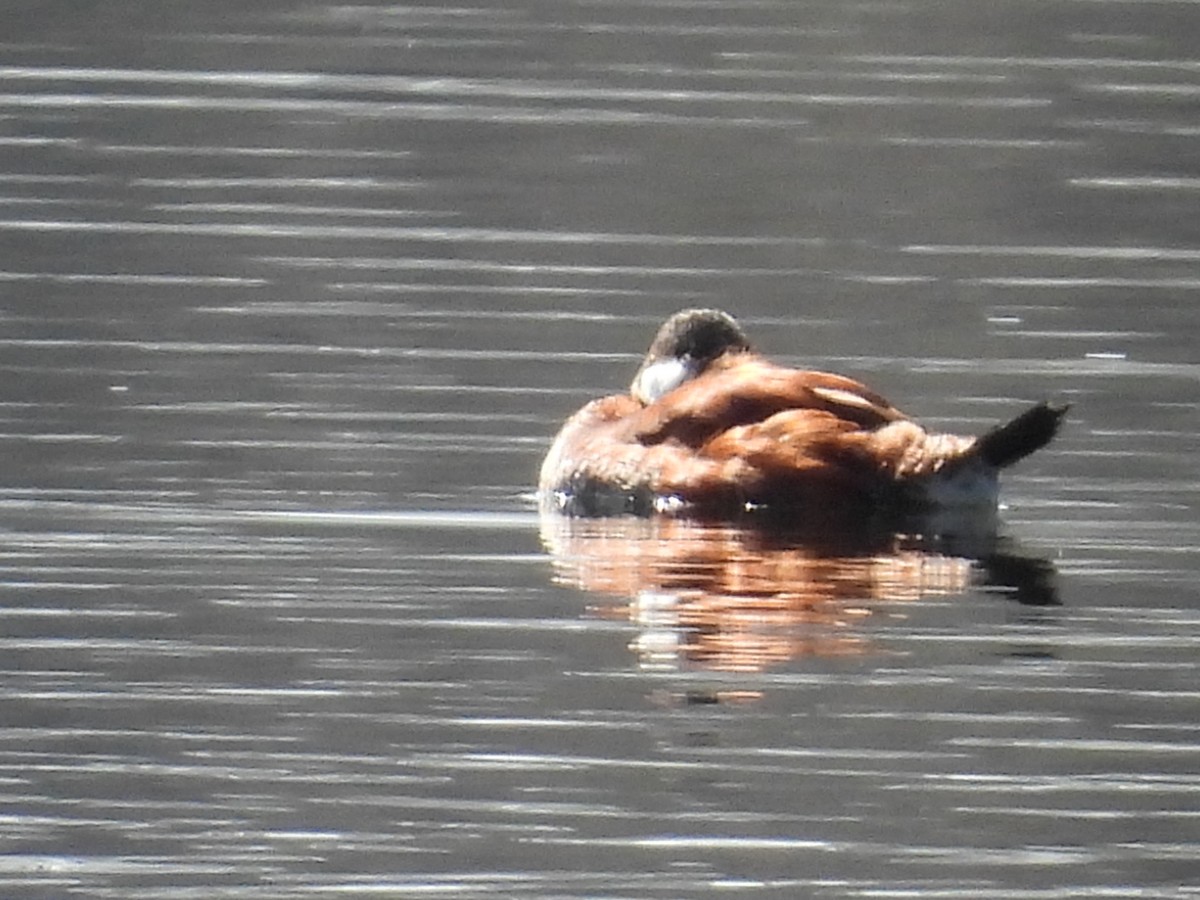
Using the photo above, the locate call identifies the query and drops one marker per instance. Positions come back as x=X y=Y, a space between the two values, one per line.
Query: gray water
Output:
x=293 y=297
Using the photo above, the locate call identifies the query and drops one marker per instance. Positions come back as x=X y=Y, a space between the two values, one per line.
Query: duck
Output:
x=709 y=427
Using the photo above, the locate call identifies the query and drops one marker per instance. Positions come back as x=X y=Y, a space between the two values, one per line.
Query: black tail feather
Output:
x=1031 y=430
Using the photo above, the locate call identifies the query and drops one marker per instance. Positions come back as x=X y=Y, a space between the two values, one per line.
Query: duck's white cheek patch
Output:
x=661 y=378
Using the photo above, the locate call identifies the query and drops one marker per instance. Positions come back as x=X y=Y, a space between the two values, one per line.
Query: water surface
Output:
x=292 y=299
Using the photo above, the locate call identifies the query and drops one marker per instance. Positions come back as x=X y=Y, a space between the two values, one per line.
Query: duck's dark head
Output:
x=683 y=348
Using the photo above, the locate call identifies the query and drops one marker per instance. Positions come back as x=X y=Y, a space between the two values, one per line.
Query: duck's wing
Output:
x=750 y=390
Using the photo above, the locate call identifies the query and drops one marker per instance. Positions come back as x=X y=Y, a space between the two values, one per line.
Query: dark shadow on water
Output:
x=751 y=595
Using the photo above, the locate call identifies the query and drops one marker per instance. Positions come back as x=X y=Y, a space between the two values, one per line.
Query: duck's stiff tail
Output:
x=1030 y=431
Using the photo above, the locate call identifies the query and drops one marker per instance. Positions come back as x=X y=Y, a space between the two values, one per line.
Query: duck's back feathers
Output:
x=747 y=389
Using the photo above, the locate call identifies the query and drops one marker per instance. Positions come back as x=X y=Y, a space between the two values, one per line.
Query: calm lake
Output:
x=293 y=297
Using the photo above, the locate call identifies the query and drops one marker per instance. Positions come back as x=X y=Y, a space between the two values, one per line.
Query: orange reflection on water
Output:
x=732 y=598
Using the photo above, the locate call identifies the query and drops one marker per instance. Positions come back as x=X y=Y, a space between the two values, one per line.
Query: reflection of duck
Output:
x=732 y=598
x=710 y=427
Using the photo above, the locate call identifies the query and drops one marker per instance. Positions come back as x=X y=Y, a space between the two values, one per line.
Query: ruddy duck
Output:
x=709 y=427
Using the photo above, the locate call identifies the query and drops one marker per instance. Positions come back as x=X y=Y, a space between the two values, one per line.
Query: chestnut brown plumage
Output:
x=711 y=427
